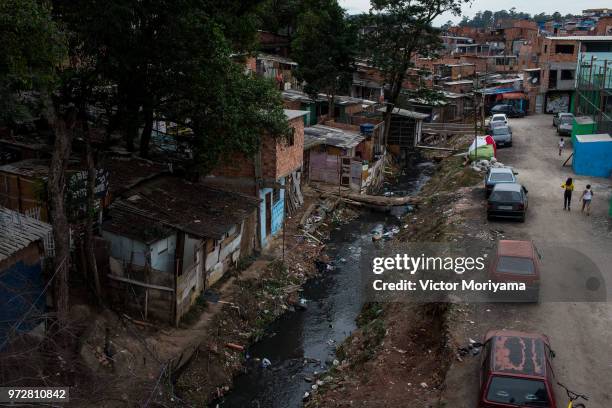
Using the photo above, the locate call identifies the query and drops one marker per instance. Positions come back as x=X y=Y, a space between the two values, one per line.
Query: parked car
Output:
x=498 y=175
x=498 y=117
x=558 y=116
x=565 y=125
x=517 y=261
x=516 y=371
x=502 y=135
x=510 y=110
x=507 y=200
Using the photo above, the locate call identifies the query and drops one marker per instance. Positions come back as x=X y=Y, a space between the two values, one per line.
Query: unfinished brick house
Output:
x=273 y=175
x=559 y=58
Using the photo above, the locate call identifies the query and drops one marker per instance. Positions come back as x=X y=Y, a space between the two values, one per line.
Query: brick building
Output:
x=269 y=175
x=558 y=61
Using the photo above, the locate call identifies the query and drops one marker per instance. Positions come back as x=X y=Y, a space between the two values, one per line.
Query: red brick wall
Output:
x=289 y=158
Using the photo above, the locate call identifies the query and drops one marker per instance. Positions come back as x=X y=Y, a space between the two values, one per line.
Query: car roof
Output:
x=566 y=114
x=499 y=114
x=507 y=187
x=514 y=352
x=522 y=249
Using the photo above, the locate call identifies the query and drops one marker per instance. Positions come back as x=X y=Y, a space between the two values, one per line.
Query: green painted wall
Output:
x=582 y=129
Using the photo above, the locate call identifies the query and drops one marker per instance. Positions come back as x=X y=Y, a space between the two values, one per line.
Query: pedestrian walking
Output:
x=561 y=146
x=587 y=196
x=568 y=188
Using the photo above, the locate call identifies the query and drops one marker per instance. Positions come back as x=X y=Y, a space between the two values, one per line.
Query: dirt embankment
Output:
x=401 y=352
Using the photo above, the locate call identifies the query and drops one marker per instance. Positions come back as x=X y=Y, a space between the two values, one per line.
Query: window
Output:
x=518 y=391
x=501 y=177
x=515 y=265
x=567 y=74
x=545 y=48
x=564 y=48
x=291 y=137
x=276 y=195
x=506 y=196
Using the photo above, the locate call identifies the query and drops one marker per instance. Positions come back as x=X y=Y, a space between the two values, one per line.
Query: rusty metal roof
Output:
x=175 y=203
x=518 y=353
x=18 y=231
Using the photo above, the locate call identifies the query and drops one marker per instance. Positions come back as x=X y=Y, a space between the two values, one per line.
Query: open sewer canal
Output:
x=302 y=343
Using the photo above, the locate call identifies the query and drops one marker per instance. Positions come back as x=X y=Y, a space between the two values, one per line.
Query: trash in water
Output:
x=265 y=363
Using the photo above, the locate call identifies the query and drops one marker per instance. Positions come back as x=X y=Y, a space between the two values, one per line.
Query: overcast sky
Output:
x=529 y=6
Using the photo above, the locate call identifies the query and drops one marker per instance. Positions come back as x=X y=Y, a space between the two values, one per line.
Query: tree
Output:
x=279 y=16
x=324 y=48
x=401 y=29
x=32 y=48
x=132 y=45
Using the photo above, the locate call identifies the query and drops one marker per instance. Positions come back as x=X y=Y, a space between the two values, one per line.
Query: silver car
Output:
x=565 y=125
x=502 y=135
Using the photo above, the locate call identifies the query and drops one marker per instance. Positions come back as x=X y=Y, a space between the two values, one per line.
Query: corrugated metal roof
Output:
x=582 y=38
x=326 y=135
x=407 y=113
x=18 y=231
x=176 y=203
x=292 y=114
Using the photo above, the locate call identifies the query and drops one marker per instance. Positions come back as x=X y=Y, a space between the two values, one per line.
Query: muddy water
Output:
x=303 y=343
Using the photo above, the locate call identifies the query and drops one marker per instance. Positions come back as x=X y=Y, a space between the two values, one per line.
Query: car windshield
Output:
x=566 y=119
x=501 y=177
x=497 y=118
x=518 y=391
x=506 y=196
x=515 y=265
x=497 y=124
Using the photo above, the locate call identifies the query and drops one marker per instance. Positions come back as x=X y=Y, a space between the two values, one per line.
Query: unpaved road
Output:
x=574 y=247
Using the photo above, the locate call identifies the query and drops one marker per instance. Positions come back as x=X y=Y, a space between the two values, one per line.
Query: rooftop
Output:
x=292 y=114
x=406 y=113
x=276 y=58
x=582 y=38
x=325 y=135
x=127 y=172
x=602 y=137
x=18 y=231
x=175 y=203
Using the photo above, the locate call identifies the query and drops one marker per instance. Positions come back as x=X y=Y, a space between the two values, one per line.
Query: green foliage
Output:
x=279 y=16
x=324 y=47
x=488 y=18
x=174 y=58
x=31 y=47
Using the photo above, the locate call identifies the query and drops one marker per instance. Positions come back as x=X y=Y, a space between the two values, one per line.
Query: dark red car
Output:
x=518 y=261
x=516 y=371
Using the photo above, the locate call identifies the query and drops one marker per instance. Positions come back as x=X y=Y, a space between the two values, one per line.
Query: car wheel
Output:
x=522 y=219
x=509 y=144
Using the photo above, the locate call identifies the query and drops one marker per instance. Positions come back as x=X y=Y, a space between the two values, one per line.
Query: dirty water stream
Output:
x=302 y=343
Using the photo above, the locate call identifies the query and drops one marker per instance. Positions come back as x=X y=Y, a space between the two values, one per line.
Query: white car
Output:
x=499 y=117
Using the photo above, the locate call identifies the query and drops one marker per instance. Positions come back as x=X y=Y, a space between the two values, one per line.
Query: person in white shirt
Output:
x=561 y=145
x=587 y=197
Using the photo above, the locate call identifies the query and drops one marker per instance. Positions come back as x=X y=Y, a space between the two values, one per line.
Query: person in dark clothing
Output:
x=568 y=188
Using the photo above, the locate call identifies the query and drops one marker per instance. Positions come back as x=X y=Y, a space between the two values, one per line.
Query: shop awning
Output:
x=512 y=95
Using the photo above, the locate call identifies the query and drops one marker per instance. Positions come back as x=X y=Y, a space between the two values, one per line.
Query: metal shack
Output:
x=592 y=155
x=21 y=272
x=171 y=239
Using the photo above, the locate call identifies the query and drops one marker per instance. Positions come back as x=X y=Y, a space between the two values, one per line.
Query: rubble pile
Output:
x=485 y=165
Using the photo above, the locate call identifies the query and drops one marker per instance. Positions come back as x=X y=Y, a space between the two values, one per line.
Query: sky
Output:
x=528 y=6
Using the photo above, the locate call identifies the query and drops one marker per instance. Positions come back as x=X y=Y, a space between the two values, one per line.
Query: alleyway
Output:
x=579 y=332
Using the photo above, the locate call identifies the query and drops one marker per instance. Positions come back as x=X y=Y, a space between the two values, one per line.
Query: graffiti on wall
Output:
x=557 y=103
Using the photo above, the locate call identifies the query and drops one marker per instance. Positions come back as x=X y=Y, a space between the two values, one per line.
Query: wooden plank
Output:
x=444 y=149
x=137 y=283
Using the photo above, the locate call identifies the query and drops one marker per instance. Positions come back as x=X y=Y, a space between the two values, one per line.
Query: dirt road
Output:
x=575 y=248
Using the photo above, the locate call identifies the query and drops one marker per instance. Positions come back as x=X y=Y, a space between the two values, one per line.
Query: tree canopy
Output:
x=173 y=60
x=324 y=47
x=32 y=49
